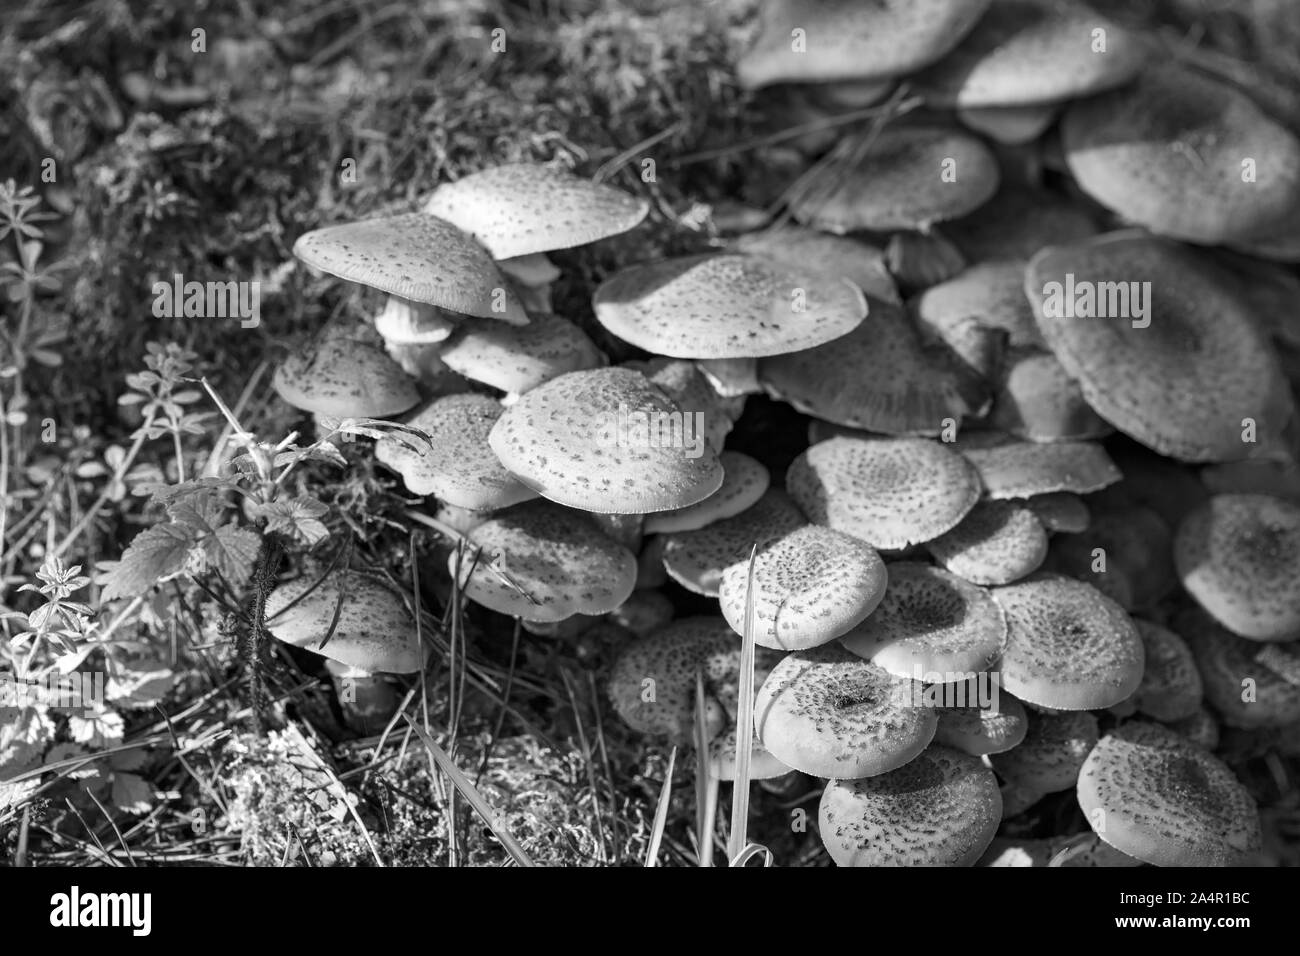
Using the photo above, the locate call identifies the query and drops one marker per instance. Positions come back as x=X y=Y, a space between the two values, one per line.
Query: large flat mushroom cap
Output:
x=1182 y=379
x=807 y=249
x=516 y=358
x=418 y=257
x=345 y=378
x=1151 y=794
x=727 y=306
x=1022 y=469
x=520 y=209
x=606 y=440
x=942 y=809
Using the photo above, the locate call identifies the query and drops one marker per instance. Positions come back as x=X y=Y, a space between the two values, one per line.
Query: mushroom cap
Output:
x=456 y=464
x=1142 y=150
x=417 y=257
x=544 y=563
x=810 y=586
x=373 y=632
x=929 y=622
x=1201 y=728
x=1181 y=385
x=345 y=378
x=1054 y=748
x=1151 y=794
x=807 y=250
x=1069 y=647
x=646 y=610
x=1239 y=557
x=1061 y=512
x=829 y=713
x=731 y=378
x=1038 y=401
x=918 y=260
x=890 y=492
x=881 y=376
x=911 y=178
x=1171 y=687
x=697 y=559
x=991 y=296
x=727 y=306
x=1248 y=683
x=577 y=440
x=983 y=730
x=1012 y=125
x=942 y=809
x=1027 y=52
x=403 y=322
x=744 y=482
x=848 y=40
x=1022 y=469
x=1138 y=570
x=688 y=388
x=519 y=209
x=516 y=358
x=723 y=756
x=996 y=543
x=1018 y=222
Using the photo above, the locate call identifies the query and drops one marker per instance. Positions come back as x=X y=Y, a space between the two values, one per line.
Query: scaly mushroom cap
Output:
x=1069 y=647
x=373 y=631
x=744 y=482
x=930 y=621
x=985 y=302
x=1239 y=556
x=723 y=756
x=1026 y=52
x=652 y=684
x=942 y=809
x=417 y=257
x=456 y=464
x=1181 y=385
x=1017 y=223
x=881 y=376
x=1049 y=758
x=810 y=586
x=697 y=559
x=891 y=492
x=1142 y=150
x=688 y=388
x=807 y=250
x=847 y=40
x=1151 y=794
x=829 y=713
x=912 y=177
x=996 y=543
x=1038 y=401
x=727 y=306
x=606 y=440
x=345 y=378
x=1022 y=469
x=516 y=358
x=983 y=730
x=520 y=209
x=1061 y=512
x=1250 y=684
x=1171 y=687
x=544 y=563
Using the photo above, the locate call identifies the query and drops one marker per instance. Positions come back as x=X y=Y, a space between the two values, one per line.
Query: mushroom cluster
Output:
x=1045 y=534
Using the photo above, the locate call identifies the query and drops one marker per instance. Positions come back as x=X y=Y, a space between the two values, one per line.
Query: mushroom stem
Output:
x=368 y=701
x=531 y=276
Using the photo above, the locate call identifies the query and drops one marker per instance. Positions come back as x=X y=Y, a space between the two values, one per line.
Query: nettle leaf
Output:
x=132 y=794
x=154 y=555
x=322 y=451
x=232 y=550
x=297 y=518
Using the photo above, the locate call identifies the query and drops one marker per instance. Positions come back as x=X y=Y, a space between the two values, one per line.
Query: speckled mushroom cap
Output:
x=1171 y=687
x=544 y=563
x=1038 y=401
x=652 y=684
x=346 y=378
x=1250 y=684
x=689 y=389
x=415 y=256
x=697 y=559
x=727 y=306
x=1142 y=150
x=373 y=631
x=809 y=250
x=881 y=377
x=575 y=440
x=1054 y=748
x=1151 y=794
x=942 y=809
x=519 y=209
x=1239 y=556
x=978 y=304
x=996 y=543
x=810 y=586
x=1018 y=222
x=890 y=492
x=456 y=463
x=1027 y=52
x=1069 y=647
x=847 y=40
x=930 y=621
x=829 y=713
x=1182 y=385
x=516 y=358
x=744 y=482
x=403 y=322
x=723 y=755
x=1022 y=469
x=1061 y=512
x=1138 y=568
x=912 y=177
x=1201 y=728
x=983 y=730
x=1012 y=125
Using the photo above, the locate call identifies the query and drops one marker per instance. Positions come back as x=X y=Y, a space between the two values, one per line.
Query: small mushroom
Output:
x=979 y=731
x=1125 y=553
x=516 y=358
x=1250 y=684
x=1054 y=748
x=1021 y=469
x=996 y=543
x=1061 y=512
x=343 y=378
x=807 y=250
x=1017 y=223
x=1038 y=401
x=1171 y=687
x=744 y=482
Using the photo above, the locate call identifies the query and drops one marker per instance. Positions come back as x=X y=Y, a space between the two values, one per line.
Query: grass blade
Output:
x=706 y=785
x=744 y=724
x=661 y=812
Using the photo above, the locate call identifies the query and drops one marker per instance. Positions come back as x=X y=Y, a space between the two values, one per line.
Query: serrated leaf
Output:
x=132 y=793
x=298 y=518
x=101 y=730
x=153 y=555
x=232 y=550
x=135 y=686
